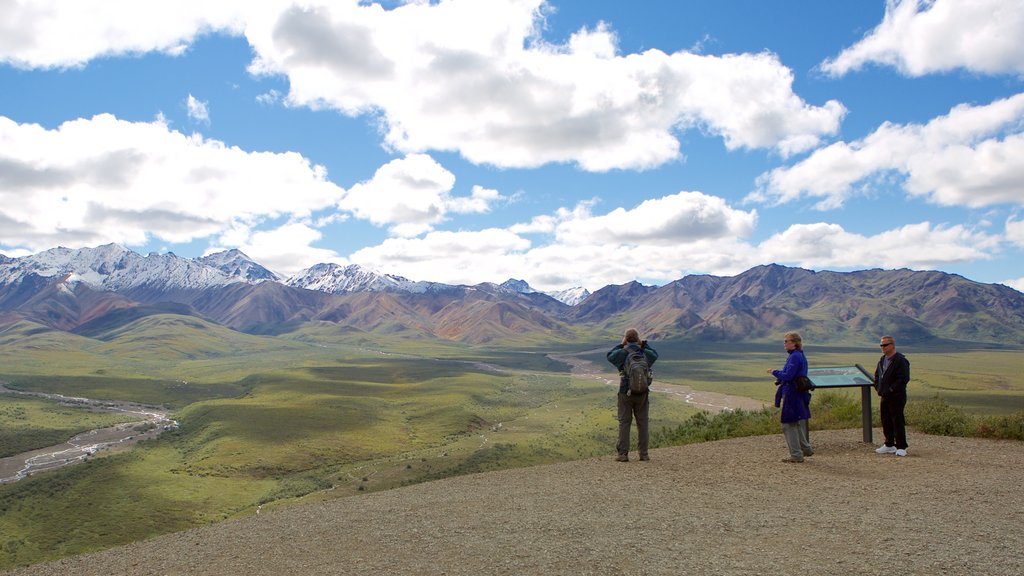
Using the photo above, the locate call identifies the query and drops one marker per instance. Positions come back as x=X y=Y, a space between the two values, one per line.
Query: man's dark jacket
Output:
x=894 y=379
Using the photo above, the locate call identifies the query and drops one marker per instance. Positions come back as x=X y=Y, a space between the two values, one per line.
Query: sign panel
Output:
x=840 y=376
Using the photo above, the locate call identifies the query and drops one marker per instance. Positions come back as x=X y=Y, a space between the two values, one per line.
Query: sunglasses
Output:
x=884 y=345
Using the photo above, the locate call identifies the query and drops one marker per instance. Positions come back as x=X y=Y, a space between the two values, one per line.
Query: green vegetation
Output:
x=324 y=413
x=29 y=423
x=832 y=410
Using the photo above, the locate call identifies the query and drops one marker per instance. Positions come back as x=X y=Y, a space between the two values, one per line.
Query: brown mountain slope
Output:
x=953 y=506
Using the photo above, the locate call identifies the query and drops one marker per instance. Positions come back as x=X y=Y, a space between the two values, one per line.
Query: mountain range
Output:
x=89 y=290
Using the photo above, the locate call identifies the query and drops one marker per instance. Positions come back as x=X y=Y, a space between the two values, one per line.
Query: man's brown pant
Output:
x=629 y=406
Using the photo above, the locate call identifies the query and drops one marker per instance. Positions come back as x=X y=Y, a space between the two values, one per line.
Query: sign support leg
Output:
x=865 y=411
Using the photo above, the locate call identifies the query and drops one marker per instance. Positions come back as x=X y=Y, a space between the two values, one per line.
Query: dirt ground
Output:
x=952 y=506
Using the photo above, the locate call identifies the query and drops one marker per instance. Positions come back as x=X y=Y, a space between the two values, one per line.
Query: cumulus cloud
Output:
x=920 y=37
x=411 y=195
x=575 y=247
x=466 y=257
x=969 y=157
x=59 y=34
x=99 y=180
x=458 y=75
x=475 y=78
x=682 y=217
x=919 y=245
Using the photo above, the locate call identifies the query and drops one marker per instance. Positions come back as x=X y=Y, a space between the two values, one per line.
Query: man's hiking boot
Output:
x=645 y=457
x=622 y=458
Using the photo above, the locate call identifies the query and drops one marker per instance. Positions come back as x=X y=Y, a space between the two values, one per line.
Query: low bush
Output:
x=831 y=411
x=936 y=416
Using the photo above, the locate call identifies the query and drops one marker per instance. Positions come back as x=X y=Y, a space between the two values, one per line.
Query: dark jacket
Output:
x=894 y=380
x=617 y=356
x=795 y=404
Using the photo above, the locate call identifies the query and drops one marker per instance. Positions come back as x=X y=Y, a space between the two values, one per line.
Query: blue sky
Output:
x=562 y=143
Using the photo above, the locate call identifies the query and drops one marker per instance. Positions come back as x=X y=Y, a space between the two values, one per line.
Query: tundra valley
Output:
x=238 y=391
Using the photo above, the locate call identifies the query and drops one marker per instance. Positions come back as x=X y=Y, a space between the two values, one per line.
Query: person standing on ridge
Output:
x=891 y=377
x=795 y=404
x=631 y=403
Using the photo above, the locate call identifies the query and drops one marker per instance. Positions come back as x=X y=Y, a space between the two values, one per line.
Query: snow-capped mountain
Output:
x=237 y=265
x=112 y=268
x=570 y=296
x=337 y=279
x=520 y=286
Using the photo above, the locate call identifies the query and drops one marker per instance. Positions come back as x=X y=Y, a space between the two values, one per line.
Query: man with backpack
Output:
x=634 y=358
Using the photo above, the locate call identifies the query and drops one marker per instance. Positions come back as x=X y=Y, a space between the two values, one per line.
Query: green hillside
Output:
x=327 y=412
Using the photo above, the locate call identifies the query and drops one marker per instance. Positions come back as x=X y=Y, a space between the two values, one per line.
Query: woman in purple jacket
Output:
x=795 y=404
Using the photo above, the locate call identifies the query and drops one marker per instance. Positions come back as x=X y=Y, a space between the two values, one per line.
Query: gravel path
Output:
x=953 y=506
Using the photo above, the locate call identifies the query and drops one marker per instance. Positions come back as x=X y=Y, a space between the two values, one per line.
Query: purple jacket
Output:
x=795 y=404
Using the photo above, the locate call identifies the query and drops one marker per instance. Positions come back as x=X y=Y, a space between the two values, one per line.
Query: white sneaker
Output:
x=901 y=452
x=883 y=449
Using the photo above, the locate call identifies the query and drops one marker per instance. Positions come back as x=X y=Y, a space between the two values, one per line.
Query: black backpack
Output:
x=803 y=384
x=638 y=371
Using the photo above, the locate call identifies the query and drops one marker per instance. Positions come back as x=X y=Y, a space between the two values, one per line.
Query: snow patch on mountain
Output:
x=112 y=267
x=570 y=296
x=336 y=279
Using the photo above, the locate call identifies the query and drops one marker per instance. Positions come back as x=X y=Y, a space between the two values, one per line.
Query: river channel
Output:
x=152 y=421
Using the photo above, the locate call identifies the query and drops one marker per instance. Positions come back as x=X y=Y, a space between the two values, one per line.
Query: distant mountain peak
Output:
x=335 y=279
x=520 y=286
x=236 y=264
x=570 y=296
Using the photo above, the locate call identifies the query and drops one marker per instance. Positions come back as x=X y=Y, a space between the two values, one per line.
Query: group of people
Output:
x=890 y=381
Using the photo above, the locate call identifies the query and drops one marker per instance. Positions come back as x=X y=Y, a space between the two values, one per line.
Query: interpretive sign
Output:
x=840 y=376
x=848 y=377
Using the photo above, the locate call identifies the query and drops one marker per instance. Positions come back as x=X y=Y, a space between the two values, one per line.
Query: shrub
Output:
x=1002 y=427
x=936 y=416
x=830 y=410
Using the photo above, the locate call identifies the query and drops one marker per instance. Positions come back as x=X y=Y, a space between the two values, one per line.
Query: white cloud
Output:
x=287 y=249
x=60 y=34
x=474 y=77
x=1015 y=231
x=459 y=75
x=99 y=180
x=452 y=257
x=963 y=158
x=658 y=241
x=198 y=110
x=682 y=217
x=411 y=195
x=920 y=246
x=921 y=37
x=679 y=233
x=1016 y=283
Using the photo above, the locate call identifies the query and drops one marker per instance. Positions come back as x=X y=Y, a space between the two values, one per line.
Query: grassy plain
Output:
x=321 y=413
x=306 y=421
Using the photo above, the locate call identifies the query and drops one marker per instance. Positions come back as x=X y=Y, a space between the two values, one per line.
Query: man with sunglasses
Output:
x=891 y=377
